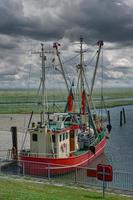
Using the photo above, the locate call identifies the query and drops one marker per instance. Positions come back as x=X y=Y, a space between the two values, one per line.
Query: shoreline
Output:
x=22 y=110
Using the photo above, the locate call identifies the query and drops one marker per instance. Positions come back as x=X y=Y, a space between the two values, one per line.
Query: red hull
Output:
x=44 y=166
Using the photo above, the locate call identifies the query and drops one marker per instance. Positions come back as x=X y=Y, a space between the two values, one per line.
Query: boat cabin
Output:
x=59 y=139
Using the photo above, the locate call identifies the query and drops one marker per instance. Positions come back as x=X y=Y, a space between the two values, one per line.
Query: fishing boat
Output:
x=62 y=141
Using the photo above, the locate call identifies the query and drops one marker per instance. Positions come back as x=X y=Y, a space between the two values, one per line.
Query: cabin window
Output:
x=63 y=136
x=60 y=137
x=34 y=137
x=66 y=135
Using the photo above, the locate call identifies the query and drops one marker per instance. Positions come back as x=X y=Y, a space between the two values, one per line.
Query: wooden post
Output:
x=109 y=127
x=124 y=115
x=120 y=118
x=14 y=143
x=108 y=117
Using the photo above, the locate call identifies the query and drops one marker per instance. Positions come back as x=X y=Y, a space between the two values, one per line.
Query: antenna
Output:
x=42 y=81
x=81 y=64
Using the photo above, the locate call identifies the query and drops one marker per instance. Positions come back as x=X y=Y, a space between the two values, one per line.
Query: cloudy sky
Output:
x=24 y=24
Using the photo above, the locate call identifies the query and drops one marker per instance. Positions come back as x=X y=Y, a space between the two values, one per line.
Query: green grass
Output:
x=22 y=190
x=14 y=101
x=113 y=93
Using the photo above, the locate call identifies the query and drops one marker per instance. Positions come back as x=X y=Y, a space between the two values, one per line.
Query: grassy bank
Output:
x=15 y=189
x=15 y=101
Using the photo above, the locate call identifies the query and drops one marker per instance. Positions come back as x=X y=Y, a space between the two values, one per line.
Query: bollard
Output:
x=14 y=143
x=109 y=127
x=108 y=112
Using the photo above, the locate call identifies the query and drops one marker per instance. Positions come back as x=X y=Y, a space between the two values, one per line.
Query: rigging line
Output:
x=100 y=44
x=39 y=96
x=61 y=65
x=68 y=77
x=90 y=115
x=87 y=64
x=67 y=74
x=39 y=87
x=27 y=131
x=70 y=59
x=73 y=59
x=92 y=44
x=103 y=106
x=77 y=93
x=91 y=98
x=61 y=94
x=102 y=83
x=25 y=134
x=101 y=90
x=46 y=98
x=61 y=73
x=102 y=78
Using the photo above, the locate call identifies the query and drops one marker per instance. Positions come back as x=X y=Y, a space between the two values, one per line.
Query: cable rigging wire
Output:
x=102 y=88
x=28 y=82
x=102 y=103
x=93 y=57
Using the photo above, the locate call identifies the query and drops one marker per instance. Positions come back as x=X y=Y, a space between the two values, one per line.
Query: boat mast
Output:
x=81 y=79
x=81 y=66
x=43 y=81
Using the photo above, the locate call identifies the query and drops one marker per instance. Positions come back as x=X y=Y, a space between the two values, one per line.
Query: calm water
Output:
x=119 y=149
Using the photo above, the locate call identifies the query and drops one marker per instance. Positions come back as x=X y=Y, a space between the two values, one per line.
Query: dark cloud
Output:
x=104 y=19
x=30 y=21
x=14 y=22
x=94 y=19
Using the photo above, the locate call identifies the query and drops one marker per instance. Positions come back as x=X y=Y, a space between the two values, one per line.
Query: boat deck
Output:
x=58 y=126
x=79 y=152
